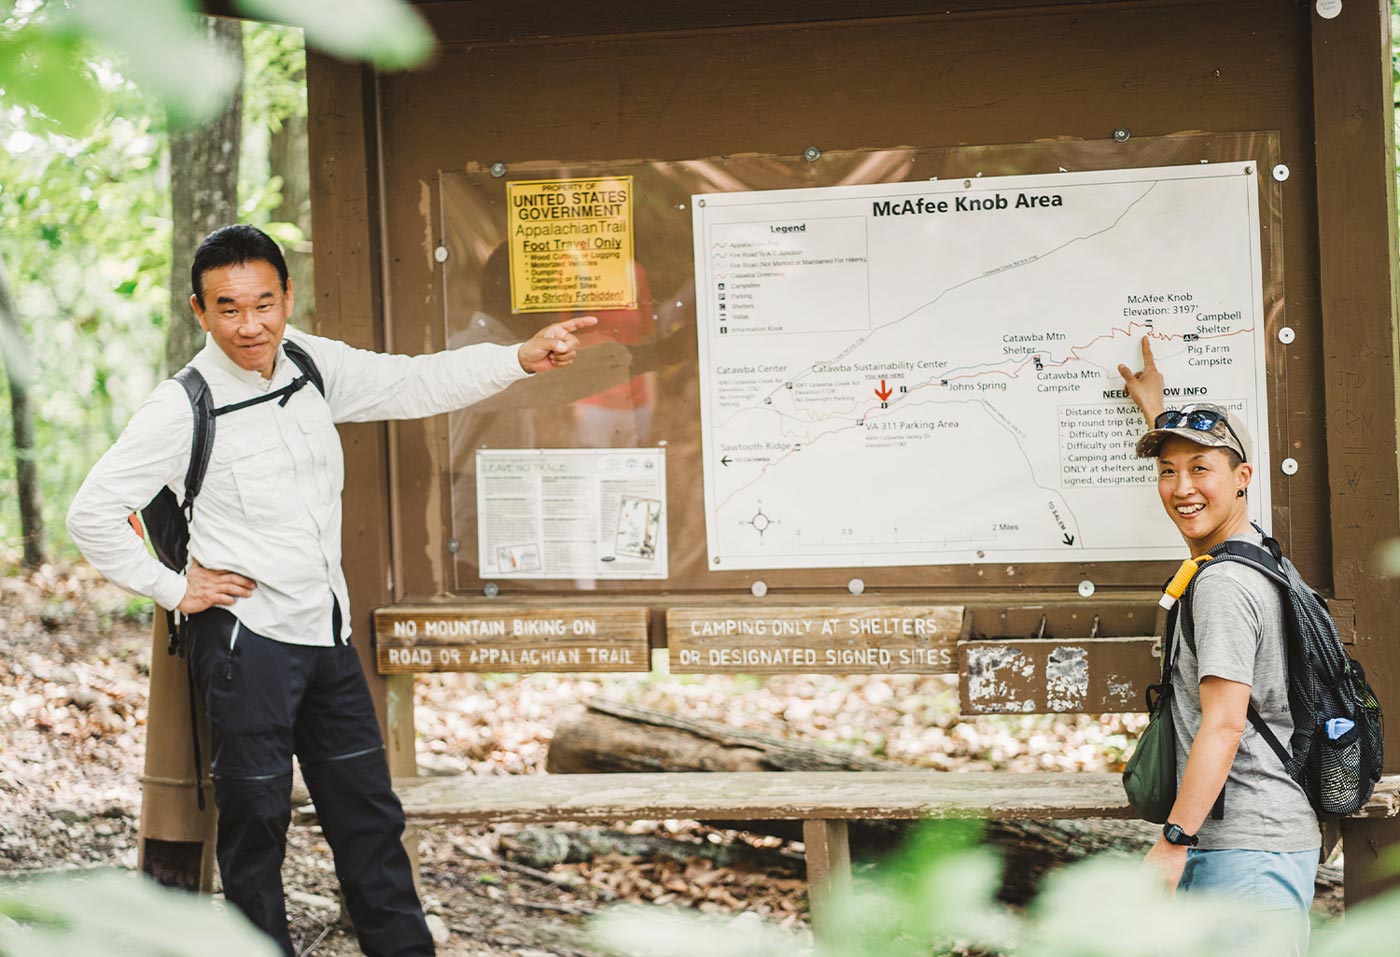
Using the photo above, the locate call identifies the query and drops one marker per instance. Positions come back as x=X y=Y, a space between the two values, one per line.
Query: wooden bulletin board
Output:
x=546 y=87
x=698 y=100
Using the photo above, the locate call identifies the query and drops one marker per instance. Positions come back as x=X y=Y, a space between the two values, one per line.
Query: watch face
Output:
x=1175 y=835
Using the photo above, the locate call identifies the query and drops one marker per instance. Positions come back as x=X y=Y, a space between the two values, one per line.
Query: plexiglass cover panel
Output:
x=634 y=394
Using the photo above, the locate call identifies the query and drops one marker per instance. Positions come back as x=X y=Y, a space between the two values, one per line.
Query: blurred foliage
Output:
x=85 y=238
x=48 y=47
x=116 y=913
x=939 y=897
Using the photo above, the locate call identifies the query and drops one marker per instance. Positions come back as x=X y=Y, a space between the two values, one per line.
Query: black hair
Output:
x=234 y=246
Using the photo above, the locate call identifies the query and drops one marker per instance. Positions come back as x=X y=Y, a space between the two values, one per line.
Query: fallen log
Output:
x=543 y=847
x=612 y=736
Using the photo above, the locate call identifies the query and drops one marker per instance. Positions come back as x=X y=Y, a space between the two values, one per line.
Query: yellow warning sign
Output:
x=571 y=244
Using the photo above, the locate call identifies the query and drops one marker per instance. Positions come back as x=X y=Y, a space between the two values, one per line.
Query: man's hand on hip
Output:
x=207 y=587
x=554 y=346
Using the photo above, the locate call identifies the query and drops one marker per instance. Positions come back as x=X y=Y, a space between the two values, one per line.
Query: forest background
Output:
x=99 y=103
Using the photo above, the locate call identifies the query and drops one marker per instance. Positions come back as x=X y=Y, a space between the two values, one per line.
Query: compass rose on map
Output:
x=760 y=522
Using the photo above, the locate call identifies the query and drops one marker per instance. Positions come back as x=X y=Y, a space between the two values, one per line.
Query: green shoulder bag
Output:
x=1149 y=779
x=1150 y=776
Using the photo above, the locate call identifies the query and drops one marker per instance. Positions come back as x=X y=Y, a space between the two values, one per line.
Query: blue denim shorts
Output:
x=1272 y=882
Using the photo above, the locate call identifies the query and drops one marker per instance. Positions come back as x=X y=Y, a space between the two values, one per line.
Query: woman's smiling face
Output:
x=1199 y=486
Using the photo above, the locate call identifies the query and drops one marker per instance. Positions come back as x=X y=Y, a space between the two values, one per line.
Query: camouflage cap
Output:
x=1226 y=432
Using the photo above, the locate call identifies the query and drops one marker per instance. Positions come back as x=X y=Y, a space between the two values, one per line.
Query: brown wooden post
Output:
x=176 y=842
x=342 y=140
x=1355 y=150
x=828 y=869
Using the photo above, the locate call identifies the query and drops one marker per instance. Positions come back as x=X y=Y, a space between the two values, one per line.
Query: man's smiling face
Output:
x=245 y=311
x=1199 y=487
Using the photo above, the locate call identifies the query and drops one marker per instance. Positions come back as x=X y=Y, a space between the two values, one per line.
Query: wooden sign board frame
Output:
x=1010 y=74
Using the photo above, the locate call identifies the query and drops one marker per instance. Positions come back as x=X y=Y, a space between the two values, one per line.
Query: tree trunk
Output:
x=288 y=158
x=615 y=737
x=19 y=372
x=203 y=195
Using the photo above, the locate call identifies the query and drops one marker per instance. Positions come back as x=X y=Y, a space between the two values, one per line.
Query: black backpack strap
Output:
x=202 y=439
x=1261 y=559
x=1169 y=643
x=305 y=363
x=1267 y=733
x=1268 y=561
x=309 y=373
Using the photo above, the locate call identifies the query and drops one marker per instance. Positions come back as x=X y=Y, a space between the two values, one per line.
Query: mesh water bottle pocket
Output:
x=1339 y=773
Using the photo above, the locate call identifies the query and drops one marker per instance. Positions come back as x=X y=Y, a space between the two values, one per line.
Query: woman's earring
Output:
x=1239 y=493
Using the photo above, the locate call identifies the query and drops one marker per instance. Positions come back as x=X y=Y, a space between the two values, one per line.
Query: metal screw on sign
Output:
x=759 y=589
x=1249 y=171
x=1121 y=134
x=1289 y=466
x=498 y=170
x=856 y=586
x=454 y=546
x=1328 y=9
x=1286 y=335
x=440 y=254
x=1086 y=589
x=491 y=590
x=1280 y=172
x=811 y=154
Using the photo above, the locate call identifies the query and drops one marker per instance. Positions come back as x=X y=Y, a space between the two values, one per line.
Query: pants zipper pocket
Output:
x=233 y=640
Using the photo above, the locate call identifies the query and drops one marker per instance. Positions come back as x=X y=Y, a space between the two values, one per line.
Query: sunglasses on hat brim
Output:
x=1198 y=420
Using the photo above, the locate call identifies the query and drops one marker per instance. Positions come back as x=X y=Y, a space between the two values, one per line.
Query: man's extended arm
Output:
x=364 y=386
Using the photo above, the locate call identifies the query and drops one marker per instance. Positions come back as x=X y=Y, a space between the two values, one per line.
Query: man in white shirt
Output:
x=264 y=592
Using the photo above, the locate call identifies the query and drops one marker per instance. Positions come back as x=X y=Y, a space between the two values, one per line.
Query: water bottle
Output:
x=1336 y=727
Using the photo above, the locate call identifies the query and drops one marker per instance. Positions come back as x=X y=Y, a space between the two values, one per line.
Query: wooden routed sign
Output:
x=1057 y=676
x=424 y=638
x=856 y=639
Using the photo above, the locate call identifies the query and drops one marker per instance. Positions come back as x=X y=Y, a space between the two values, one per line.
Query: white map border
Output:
x=711 y=208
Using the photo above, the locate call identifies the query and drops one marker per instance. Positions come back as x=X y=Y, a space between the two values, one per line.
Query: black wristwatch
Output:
x=1175 y=835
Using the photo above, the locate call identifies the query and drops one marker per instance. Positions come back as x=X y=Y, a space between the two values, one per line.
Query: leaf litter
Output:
x=75 y=658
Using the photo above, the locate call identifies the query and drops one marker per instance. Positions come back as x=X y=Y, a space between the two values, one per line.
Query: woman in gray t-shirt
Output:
x=1265 y=846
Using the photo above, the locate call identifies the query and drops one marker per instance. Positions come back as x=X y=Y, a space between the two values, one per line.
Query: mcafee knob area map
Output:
x=926 y=372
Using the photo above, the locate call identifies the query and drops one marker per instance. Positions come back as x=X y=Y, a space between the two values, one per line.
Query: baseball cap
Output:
x=1201 y=422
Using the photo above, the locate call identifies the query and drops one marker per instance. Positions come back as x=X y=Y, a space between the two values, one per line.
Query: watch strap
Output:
x=1176 y=835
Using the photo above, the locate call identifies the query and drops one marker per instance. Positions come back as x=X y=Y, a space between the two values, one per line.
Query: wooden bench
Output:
x=824 y=801
x=1077 y=659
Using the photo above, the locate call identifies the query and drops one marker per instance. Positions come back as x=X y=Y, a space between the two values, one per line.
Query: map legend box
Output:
x=791 y=275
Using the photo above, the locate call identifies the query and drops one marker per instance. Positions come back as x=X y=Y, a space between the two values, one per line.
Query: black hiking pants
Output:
x=266 y=701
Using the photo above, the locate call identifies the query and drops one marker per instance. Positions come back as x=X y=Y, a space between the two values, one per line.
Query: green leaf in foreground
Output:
x=388 y=33
x=46 y=71
x=165 y=51
x=115 y=912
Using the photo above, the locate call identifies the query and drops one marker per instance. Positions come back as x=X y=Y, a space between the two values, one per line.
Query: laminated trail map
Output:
x=926 y=372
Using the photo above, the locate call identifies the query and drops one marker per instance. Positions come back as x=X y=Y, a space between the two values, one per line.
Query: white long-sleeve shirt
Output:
x=270 y=506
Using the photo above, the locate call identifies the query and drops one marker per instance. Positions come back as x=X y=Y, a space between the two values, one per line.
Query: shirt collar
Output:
x=216 y=358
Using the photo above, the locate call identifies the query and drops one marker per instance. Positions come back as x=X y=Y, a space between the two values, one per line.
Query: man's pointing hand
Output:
x=554 y=346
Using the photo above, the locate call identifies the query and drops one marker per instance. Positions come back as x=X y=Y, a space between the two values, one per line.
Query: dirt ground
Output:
x=74 y=662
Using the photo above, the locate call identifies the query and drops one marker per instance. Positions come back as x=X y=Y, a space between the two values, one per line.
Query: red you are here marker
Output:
x=884 y=392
